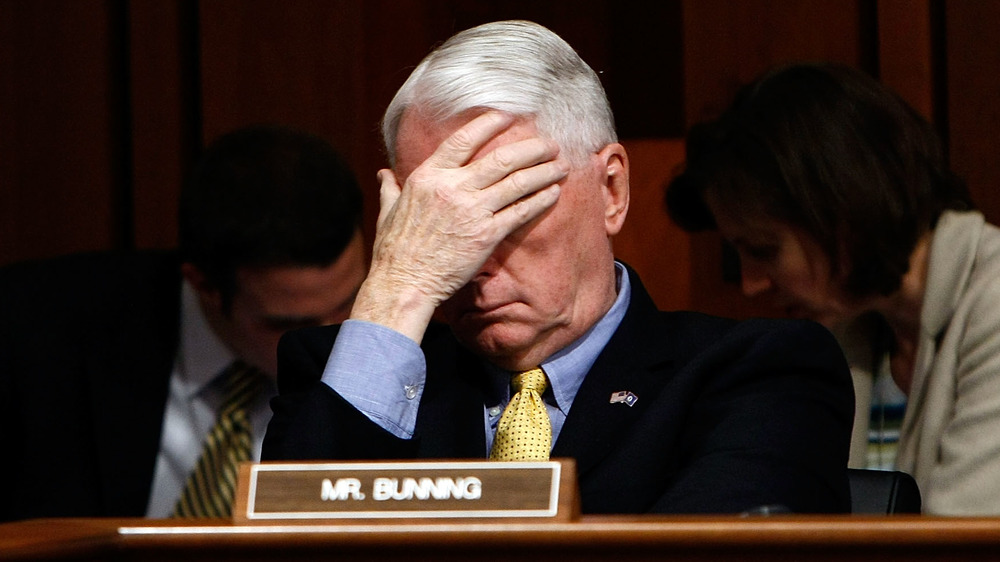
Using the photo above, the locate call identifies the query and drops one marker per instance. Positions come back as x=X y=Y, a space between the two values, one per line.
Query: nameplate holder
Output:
x=397 y=491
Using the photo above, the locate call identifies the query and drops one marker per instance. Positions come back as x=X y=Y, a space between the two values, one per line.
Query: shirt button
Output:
x=410 y=391
x=495 y=411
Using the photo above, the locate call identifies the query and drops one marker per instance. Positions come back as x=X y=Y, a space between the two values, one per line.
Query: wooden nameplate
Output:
x=440 y=490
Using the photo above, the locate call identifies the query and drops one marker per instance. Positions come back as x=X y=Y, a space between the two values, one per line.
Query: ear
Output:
x=209 y=297
x=614 y=167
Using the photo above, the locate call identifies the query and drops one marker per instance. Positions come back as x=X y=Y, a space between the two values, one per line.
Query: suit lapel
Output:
x=633 y=361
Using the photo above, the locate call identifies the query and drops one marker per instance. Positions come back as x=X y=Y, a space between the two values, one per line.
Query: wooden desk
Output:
x=900 y=538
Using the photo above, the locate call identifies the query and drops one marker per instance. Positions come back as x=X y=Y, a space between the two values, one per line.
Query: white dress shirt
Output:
x=194 y=398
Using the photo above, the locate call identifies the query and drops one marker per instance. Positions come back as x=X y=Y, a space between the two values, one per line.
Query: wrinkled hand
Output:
x=435 y=233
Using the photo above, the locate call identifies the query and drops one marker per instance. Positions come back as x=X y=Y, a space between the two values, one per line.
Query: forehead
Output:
x=420 y=136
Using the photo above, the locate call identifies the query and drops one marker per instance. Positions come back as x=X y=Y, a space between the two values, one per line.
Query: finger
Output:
x=388 y=194
x=463 y=144
x=526 y=209
x=522 y=183
x=510 y=157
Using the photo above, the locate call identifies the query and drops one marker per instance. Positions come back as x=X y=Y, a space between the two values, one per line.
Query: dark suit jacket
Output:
x=730 y=415
x=87 y=344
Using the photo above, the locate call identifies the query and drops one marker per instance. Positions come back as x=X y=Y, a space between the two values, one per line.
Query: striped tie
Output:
x=212 y=484
x=524 y=432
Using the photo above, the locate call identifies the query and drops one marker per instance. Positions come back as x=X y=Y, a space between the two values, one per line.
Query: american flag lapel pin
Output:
x=624 y=396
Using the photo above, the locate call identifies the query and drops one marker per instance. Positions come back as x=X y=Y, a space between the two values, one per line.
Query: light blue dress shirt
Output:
x=387 y=385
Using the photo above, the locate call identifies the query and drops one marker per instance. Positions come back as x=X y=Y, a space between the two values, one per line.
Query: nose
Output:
x=754 y=282
x=489 y=267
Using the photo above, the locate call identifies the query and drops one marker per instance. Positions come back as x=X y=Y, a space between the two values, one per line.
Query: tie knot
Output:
x=533 y=379
x=241 y=384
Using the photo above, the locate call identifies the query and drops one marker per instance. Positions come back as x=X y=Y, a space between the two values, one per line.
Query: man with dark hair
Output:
x=114 y=367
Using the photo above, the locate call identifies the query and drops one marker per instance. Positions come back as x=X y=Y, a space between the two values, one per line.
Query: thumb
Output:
x=388 y=193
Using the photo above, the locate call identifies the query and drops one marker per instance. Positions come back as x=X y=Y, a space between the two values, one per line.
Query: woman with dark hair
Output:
x=840 y=204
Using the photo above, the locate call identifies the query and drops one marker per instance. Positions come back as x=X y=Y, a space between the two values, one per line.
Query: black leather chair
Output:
x=883 y=492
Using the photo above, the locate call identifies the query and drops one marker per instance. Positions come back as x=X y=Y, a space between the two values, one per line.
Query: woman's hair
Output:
x=827 y=149
x=518 y=67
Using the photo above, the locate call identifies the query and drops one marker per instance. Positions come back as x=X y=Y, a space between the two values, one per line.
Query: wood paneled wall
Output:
x=105 y=104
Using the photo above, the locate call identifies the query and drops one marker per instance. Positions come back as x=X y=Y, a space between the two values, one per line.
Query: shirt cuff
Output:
x=380 y=372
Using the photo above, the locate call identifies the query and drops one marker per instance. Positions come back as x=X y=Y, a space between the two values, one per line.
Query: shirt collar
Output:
x=202 y=355
x=567 y=368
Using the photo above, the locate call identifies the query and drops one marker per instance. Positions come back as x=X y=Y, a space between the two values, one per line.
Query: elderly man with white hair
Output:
x=494 y=304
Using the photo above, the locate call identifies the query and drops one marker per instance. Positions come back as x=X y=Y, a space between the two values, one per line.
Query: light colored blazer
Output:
x=950 y=439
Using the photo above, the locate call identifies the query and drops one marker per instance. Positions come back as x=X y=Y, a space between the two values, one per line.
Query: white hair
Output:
x=518 y=67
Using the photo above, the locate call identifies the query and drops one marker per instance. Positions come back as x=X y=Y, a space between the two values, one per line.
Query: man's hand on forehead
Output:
x=435 y=232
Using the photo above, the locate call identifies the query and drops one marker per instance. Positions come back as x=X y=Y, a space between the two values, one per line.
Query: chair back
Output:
x=883 y=492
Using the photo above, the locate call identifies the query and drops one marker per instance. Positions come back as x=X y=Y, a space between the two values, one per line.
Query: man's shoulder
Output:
x=695 y=334
x=99 y=284
x=689 y=324
x=317 y=341
x=94 y=271
x=94 y=261
x=697 y=329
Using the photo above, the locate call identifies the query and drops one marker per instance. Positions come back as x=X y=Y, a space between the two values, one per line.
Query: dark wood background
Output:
x=104 y=104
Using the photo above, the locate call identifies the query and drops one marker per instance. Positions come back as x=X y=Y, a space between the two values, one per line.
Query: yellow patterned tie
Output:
x=524 y=432
x=212 y=484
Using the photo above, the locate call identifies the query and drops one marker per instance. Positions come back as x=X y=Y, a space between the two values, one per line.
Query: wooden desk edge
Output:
x=55 y=537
